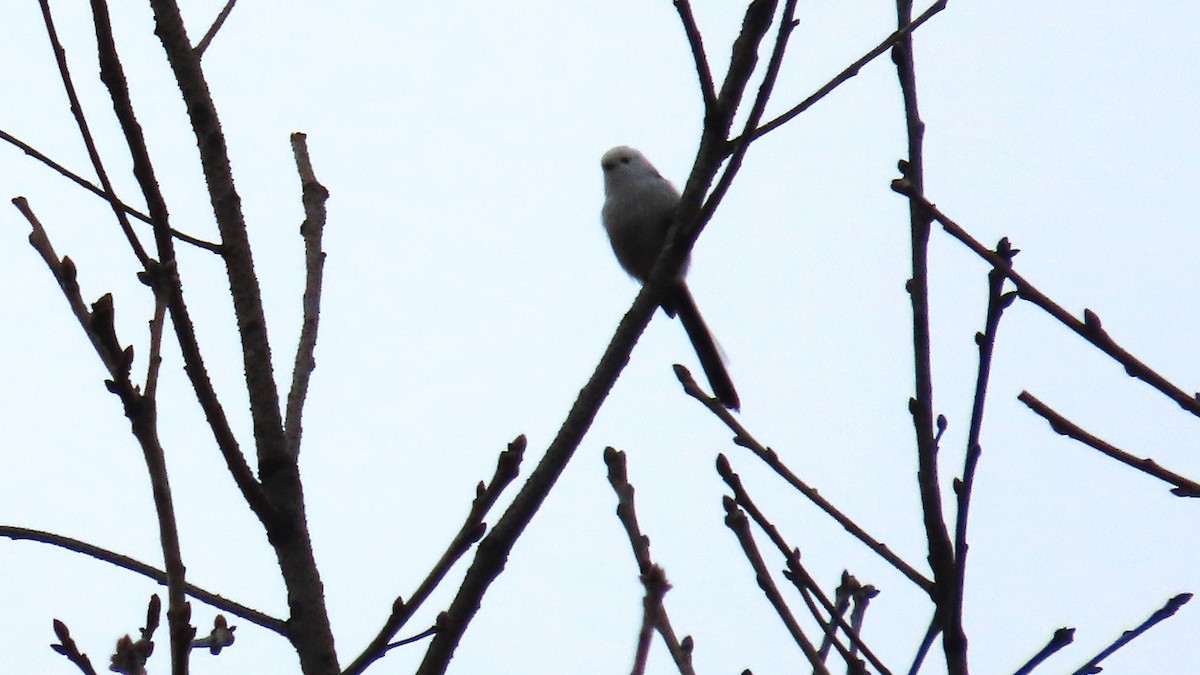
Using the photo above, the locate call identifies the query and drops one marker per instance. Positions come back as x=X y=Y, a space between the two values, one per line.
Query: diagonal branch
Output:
x=133 y=565
x=1184 y=487
x=91 y=187
x=235 y=244
x=216 y=26
x=507 y=467
x=1089 y=328
x=770 y=458
x=60 y=56
x=703 y=71
x=492 y=552
x=1061 y=638
x=736 y=521
x=847 y=73
x=799 y=575
x=1163 y=613
x=163 y=277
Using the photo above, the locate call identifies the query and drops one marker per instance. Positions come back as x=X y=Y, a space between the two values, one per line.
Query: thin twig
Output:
x=941 y=549
x=1184 y=487
x=216 y=26
x=799 y=575
x=1061 y=638
x=986 y=342
x=99 y=192
x=737 y=149
x=770 y=458
x=1088 y=328
x=508 y=465
x=1165 y=612
x=735 y=520
x=931 y=634
x=313 y=195
x=618 y=477
x=60 y=56
x=125 y=562
x=115 y=360
x=67 y=647
x=849 y=72
x=703 y=71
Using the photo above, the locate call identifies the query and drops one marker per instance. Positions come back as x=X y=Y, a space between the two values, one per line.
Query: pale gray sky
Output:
x=470 y=292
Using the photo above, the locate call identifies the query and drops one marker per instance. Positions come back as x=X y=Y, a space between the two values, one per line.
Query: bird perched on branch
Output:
x=639 y=207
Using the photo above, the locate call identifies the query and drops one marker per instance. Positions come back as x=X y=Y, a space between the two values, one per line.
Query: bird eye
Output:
x=625 y=160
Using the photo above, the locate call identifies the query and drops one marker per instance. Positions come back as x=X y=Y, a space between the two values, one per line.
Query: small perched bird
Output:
x=639 y=206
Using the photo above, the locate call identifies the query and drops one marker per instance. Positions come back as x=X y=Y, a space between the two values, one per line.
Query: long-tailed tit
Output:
x=639 y=206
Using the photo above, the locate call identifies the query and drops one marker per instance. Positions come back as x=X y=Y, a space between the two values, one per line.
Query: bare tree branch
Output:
x=216 y=26
x=803 y=580
x=60 y=56
x=313 y=196
x=67 y=647
x=703 y=71
x=735 y=519
x=1163 y=613
x=125 y=562
x=1089 y=328
x=507 y=467
x=652 y=576
x=1061 y=638
x=847 y=73
x=1184 y=487
x=90 y=187
x=770 y=458
x=493 y=551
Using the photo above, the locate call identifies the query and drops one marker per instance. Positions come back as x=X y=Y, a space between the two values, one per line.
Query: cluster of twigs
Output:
x=274 y=493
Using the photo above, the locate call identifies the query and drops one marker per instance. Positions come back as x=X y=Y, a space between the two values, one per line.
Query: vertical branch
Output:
x=162 y=277
x=286 y=526
x=998 y=301
x=313 y=195
x=941 y=551
x=235 y=245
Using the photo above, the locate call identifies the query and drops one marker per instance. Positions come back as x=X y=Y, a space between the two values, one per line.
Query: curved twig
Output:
x=136 y=566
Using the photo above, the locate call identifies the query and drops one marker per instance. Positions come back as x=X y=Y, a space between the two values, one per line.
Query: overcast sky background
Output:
x=469 y=292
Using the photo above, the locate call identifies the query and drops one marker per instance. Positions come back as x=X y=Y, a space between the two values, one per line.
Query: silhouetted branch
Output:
x=655 y=582
x=735 y=519
x=798 y=575
x=770 y=458
x=931 y=634
x=60 y=56
x=313 y=196
x=1089 y=328
x=849 y=72
x=1184 y=487
x=1165 y=612
x=67 y=647
x=703 y=71
x=651 y=575
x=216 y=26
x=507 y=467
x=998 y=301
x=941 y=549
x=1061 y=638
x=91 y=187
